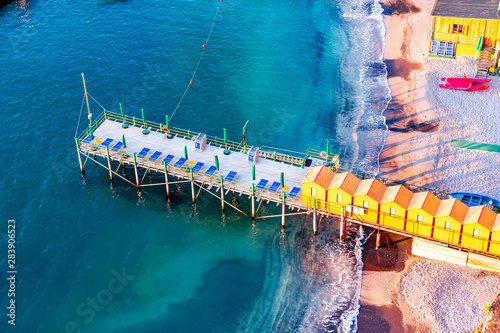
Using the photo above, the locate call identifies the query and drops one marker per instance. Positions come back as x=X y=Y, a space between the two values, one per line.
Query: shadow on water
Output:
x=5 y=2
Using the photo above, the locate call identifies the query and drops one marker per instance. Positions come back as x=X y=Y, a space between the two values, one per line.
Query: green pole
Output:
x=189 y=134
x=217 y=162
x=327 y=152
x=124 y=124
x=186 y=152
x=123 y=141
x=282 y=179
x=226 y=151
x=166 y=122
x=143 y=117
x=91 y=133
x=253 y=172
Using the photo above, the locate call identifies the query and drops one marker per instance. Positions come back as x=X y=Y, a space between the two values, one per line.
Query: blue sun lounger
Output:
x=155 y=156
x=274 y=187
x=198 y=167
x=143 y=152
x=168 y=159
x=262 y=184
x=294 y=192
x=87 y=139
x=210 y=172
x=117 y=147
x=107 y=142
x=180 y=162
x=230 y=176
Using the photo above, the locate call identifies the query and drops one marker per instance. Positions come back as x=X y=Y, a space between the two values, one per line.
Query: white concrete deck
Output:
x=236 y=161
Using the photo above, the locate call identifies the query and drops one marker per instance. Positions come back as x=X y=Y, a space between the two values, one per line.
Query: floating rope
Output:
x=196 y=69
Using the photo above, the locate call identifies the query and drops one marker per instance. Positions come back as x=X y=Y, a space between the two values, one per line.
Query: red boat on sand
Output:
x=463 y=83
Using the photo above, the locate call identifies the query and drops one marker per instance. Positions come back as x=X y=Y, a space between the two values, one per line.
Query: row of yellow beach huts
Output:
x=420 y=213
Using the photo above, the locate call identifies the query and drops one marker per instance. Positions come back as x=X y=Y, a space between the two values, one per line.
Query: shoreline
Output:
x=421 y=122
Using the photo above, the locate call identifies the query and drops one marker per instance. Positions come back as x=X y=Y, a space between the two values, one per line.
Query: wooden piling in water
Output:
x=315 y=216
x=166 y=178
x=222 y=192
x=109 y=164
x=136 y=171
x=377 y=242
x=342 y=224
x=79 y=156
x=192 y=184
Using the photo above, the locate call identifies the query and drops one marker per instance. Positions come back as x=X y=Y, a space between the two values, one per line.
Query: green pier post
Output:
x=145 y=130
x=186 y=152
x=282 y=180
x=167 y=125
x=222 y=192
x=327 y=163
x=253 y=172
x=124 y=124
x=123 y=141
x=217 y=162
x=226 y=151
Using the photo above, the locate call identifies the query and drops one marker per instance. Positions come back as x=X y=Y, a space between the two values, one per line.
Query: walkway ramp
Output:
x=484 y=63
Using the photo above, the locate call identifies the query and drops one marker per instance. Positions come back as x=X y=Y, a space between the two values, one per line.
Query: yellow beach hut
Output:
x=393 y=206
x=448 y=220
x=340 y=191
x=421 y=211
x=495 y=237
x=314 y=186
x=367 y=196
x=464 y=27
x=478 y=223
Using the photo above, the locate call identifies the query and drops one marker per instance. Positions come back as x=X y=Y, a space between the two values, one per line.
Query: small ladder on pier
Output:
x=484 y=63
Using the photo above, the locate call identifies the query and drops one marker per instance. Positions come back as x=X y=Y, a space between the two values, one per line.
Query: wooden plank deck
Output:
x=236 y=161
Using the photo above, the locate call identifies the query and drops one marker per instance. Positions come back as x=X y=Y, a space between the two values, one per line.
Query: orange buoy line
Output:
x=198 y=65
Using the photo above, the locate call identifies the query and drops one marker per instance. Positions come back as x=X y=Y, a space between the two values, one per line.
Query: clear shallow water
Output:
x=301 y=72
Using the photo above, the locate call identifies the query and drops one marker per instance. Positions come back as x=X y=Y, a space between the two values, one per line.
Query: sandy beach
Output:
x=402 y=293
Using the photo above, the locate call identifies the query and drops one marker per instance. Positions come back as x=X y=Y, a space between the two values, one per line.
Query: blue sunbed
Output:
x=87 y=139
x=262 y=184
x=198 y=167
x=117 y=147
x=107 y=142
x=143 y=152
x=230 y=176
x=294 y=192
x=155 y=156
x=168 y=159
x=210 y=171
x=180 y=162
x=274 y=187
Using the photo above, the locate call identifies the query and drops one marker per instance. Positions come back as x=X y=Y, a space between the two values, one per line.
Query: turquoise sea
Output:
x=98 y=257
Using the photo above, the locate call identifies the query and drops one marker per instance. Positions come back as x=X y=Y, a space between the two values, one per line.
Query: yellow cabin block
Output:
x=495 y=237
x=367 y=196
x=340 y=191
x=393 y=205
x=314 y=186
x=448 y=220
x=478 y=223
x=421 y=211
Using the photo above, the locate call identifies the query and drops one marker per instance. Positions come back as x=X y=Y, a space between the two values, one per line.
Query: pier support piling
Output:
x=80 y=160
x=192 y=185
x=342 y=224
x=315 y=217
x=166 y=178
x=283 y=210
x=377 y=242
x=109 y=164
x=222 y=192
x=136 y=172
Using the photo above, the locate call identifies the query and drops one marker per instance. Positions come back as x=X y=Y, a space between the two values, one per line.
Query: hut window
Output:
x=475 y=233
x=419 y=218
x=339 y=198
x=459 y=29
x=365 y=204
x=447 y=226
x=392 y=211
x=313 y=191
